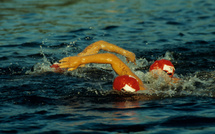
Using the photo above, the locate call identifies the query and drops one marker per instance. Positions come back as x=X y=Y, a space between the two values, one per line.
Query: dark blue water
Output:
x=35 y=34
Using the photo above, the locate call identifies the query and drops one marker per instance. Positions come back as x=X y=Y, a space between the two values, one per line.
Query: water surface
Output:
x=35 y=34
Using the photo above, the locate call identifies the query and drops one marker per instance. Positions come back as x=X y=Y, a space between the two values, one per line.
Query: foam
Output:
x=198 y=84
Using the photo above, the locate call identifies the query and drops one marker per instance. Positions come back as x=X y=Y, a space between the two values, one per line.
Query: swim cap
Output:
x=126 y=83
x=164 y=65
x=56 y=68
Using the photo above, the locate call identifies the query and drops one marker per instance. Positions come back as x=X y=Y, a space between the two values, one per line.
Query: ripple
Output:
x=110 y=27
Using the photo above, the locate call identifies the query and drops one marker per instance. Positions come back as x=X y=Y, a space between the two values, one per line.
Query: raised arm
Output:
x=103 y=45
x=106 y=58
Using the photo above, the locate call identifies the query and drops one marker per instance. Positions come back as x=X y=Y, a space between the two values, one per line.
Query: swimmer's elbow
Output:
x=99 y=43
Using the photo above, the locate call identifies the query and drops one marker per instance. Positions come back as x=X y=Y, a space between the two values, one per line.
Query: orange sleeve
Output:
x=106 y=58
x=103 y=45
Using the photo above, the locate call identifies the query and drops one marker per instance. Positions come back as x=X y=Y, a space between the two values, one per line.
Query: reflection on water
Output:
x=128 y=114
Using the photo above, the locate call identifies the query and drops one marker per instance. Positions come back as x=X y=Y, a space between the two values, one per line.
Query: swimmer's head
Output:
x=126 y=83
x=56 y=68
x=164 y=65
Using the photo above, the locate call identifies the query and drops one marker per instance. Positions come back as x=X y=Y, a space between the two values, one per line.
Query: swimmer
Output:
x=163 y=67
x=127 y=80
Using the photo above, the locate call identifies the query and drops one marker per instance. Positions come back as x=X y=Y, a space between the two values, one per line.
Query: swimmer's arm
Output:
x=103 y=45
x=176 y=80
x=106 y=58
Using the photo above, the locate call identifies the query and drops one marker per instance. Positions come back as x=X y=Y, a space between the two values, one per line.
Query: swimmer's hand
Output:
x=131 y=57
x=71 y=63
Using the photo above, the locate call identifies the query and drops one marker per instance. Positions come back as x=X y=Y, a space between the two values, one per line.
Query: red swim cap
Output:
x=126 y=83
x=164 y=65
x=56 y=68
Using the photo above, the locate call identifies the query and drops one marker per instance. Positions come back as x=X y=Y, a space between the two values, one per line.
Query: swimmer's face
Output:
x=160 y=66
x=161 y=73
x=169 y=70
